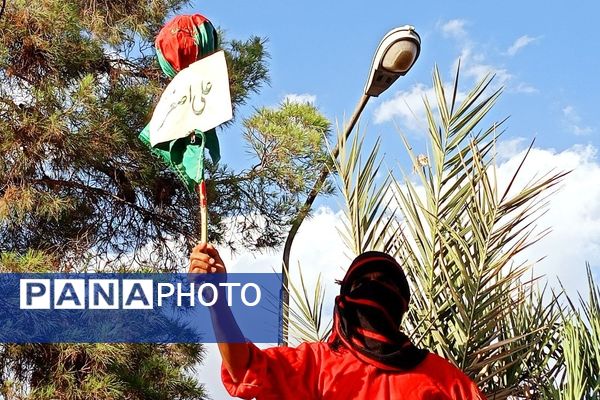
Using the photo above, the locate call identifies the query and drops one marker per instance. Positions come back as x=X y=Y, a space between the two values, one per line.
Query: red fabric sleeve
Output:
x=276 y=373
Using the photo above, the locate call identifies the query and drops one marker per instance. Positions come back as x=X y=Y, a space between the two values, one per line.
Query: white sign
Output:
x=197 y=98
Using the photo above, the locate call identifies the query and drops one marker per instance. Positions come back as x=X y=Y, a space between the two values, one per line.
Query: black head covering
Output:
x=374 y=296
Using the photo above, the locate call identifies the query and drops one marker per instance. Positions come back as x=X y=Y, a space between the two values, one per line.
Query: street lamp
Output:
x=395 y=56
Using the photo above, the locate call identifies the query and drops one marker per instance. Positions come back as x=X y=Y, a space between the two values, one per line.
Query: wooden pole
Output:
x=203 y=212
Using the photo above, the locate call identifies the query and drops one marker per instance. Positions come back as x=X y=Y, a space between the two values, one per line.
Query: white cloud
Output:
x=520 y=43
x=507 y=149
x=317 y=246
x=454 y=28
x=317 y=249
x=474 y=65
x=573 y=213
x=474 y=60
x=300 y=98
x=525 y=88
x=408 y=106
x=573 y=122
x=478 y=71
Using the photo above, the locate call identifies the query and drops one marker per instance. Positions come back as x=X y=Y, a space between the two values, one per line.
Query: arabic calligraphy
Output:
x=198 y=98
x=205 y=88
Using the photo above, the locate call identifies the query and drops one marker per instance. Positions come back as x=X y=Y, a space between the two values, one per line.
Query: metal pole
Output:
x=285 y=296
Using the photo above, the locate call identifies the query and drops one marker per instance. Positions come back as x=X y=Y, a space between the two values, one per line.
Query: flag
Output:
x=182 y=41
x=184 y=157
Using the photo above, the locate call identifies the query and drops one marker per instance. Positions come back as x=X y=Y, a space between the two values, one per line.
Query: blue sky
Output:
x=545 y=54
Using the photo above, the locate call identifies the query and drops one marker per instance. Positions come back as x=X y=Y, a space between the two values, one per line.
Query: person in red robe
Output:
x=366 y=356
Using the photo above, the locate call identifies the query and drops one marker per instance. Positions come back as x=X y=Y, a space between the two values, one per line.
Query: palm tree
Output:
x=579 y=353
x=458 y=232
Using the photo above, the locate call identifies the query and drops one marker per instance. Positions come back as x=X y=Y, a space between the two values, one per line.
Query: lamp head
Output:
x=396 y=54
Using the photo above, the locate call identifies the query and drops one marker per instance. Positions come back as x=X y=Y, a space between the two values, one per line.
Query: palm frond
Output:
x=460 y=244
x=369 y=219
x=460 y=235
x=581 y=346
x=306 y=311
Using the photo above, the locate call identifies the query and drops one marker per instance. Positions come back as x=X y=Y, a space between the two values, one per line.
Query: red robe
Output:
x=314 y=371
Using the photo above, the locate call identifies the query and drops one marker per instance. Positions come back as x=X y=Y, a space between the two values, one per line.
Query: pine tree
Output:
x=78 y=190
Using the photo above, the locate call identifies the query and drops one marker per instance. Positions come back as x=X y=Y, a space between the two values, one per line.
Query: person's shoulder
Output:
x=306 y=356
x=449 y=378
x=304 y=350
x=442 y=368
x=438 y=363
x=302 y=347
x=316 y=352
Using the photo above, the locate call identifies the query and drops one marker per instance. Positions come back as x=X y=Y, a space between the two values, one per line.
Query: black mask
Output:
x=373 y=299
x=377 y=306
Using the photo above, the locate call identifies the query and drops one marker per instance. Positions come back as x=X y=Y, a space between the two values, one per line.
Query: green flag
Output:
x=186 y=156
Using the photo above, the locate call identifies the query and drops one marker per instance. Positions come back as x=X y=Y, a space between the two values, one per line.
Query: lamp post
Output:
x=395 y=55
